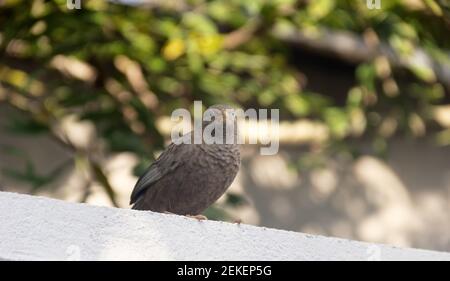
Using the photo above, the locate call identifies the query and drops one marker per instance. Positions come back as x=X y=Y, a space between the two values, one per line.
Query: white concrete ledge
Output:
x=36 y=228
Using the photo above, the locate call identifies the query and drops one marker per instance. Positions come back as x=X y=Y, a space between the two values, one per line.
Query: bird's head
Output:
x=223 y=116
x=220 y=113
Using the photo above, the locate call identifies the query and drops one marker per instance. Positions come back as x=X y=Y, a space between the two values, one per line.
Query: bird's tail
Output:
x=138 y=205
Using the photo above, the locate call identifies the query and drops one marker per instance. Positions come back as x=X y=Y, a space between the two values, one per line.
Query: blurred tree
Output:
x=122 y=67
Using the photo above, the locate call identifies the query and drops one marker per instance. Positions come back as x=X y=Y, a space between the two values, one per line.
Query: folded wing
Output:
x=171 y=159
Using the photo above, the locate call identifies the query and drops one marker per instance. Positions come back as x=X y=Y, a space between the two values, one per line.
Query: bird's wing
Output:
x=166 y=163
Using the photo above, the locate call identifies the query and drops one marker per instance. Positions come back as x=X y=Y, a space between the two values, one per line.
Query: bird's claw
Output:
x=197 y=217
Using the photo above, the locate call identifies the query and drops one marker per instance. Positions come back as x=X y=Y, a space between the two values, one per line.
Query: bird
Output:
x=187 y=178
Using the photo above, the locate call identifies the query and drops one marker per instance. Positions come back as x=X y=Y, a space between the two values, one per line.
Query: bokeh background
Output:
x=86 y=97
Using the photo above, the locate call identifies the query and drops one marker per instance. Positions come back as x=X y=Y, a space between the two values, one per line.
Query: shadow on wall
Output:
x=404 y=201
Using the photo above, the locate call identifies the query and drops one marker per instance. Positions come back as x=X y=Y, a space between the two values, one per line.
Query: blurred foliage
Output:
x=122 y=67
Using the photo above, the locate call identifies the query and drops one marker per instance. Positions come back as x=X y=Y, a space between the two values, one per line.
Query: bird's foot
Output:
x=197 y=217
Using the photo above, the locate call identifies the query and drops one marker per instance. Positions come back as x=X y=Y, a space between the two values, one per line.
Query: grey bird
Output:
x=187 y=178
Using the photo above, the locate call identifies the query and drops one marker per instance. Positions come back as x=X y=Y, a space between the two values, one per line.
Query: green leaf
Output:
x=235 y=200
x=24 y=125
x=103 y=180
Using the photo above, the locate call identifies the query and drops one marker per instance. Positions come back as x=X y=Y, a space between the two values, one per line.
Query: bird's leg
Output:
x=197 y=217
x=237 y=221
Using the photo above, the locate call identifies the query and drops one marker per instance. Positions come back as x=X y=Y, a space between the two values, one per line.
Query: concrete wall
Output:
x=37 y=228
